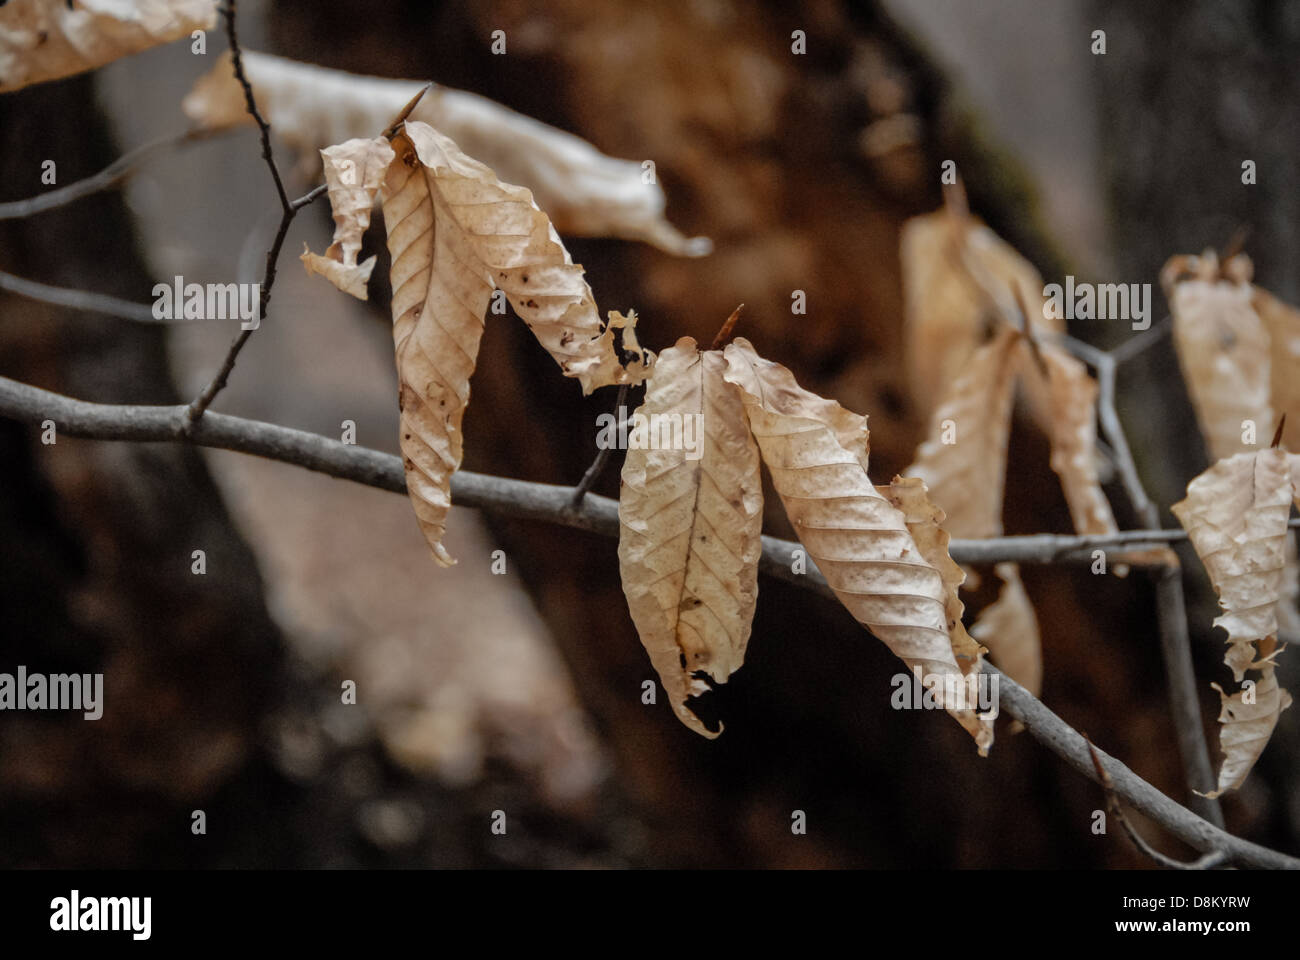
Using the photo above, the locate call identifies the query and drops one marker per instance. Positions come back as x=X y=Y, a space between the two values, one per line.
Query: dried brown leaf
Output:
x=354 y=172
x=1223 y=349
x=691 y=526
x=1071 y=395
x=925 y=523
x=816 y=452
x=963 y=461
x=1235 y=514
x=43 y=40
x=455 y=230
x=1009 y=628
x=944 y=317
x=584 y=191
x=1282 y=321
x=1249 y=717
x=960 y=283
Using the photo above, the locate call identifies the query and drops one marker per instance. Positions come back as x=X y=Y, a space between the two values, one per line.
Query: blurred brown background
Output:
x=522 y=693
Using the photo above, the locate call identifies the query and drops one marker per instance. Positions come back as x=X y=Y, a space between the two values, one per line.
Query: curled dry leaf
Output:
x=1235 y=514
x=924 y=522
x=1223 y=348
x=1009 y=628
x=1249 y=717
x=455 y=230
x=46 y=39
x=960 y=282
x=1282 y=321
x=967 y=294
x=1072 y=429
x=816 y=452
x=585 y=192
x=963 y=461
x=691 y=517
x=353 y=174
x=944 y=318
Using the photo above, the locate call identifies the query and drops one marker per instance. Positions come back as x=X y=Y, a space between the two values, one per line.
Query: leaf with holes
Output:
x=455 y=231
x=1235 y=514
x=1249 y=717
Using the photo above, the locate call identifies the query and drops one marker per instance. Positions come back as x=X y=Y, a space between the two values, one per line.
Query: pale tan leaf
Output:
x=584 y=191
x=1071 y=396
x=1009 y=280
x=1282 y=321
x=1248 y=726
x=967 y=476
x=498 y=236
x=1009 y=628
x=944 y=318
x=691 y=526
x=46 y=39
x=816 y=452
x=1223 y=349
x=960 y=282
x=454 y=232
x=925 y=523
x=1288 y=603
x=354 y=172
x=1235 y=514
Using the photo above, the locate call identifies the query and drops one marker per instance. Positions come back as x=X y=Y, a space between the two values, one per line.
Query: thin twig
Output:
x=1113 y=430
x=602 y=455
x=1207 y=862
x=80 y=299
x=264 y=128
x=1133 y=346
x=201 y=403
x=551 y=504
x=114 y=173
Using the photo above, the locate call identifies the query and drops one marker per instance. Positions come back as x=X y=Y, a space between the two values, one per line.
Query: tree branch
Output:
x=1205 y=862
x=115 y=172
x=602 y=456
x=79 y=299
x=553 y=504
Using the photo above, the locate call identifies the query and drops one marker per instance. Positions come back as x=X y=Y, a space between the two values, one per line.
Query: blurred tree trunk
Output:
x=95 y=575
